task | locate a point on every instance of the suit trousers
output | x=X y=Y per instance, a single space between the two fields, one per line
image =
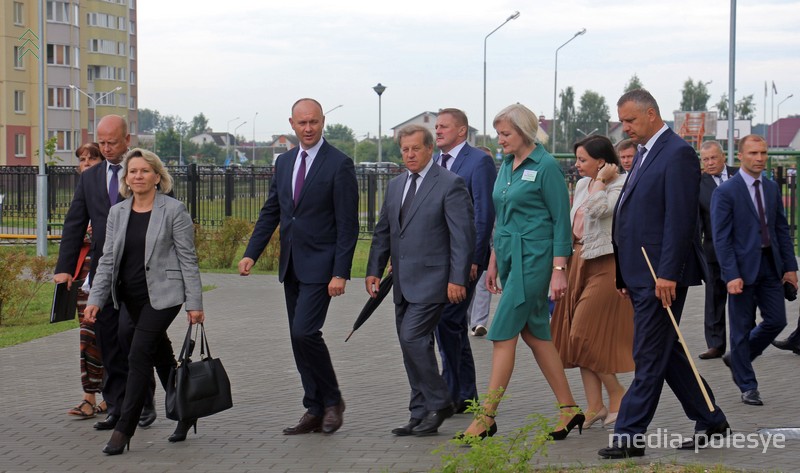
x=716 y=295
x=415 y=326
x=452 y=336
x=749 y=340
x=307 y=306
x=478 y=312
x=114 y=356
x=659 y=357
x=150 y=348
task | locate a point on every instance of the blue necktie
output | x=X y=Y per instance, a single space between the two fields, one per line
x=301 y=177
x=113 y=186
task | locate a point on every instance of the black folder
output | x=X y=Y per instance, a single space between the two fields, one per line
x=65 y=302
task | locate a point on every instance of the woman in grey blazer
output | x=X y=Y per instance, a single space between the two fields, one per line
x=149 y=264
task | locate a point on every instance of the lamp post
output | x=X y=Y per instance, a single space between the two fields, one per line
x=228 y=137
x=94 y=104
x=586 y=134
x=779 y=116
x=513 y=16
x=254 y=139
x=334 y=108
x=555 y=87
x=234 y=138
x=379 y=90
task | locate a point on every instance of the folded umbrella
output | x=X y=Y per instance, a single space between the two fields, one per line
x=372 y=304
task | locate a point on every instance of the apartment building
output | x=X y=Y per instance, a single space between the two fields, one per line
x=90 y=71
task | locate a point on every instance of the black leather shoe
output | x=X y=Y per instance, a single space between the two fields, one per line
x=182 y=429
x=333 y=418
x=711 y=353
x=615 y=453
x=701 y=439
x=308 y=423
x=406 y=430
x=785 y=345
x=117 y=444
x=148 y=416
x=109 y=423
x=432 y=421
x=752 y=398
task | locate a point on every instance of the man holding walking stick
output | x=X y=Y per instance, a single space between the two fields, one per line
x=657 y=210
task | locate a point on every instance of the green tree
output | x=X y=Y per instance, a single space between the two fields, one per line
x=149 y=120
x=722 y=107
x=168 y=144
x=694 y=96
x=366 y=151
x=745 y=108
x=633 y=83
x=199 y=125
x=337 y=131
x=593 y=114
x=566 y=120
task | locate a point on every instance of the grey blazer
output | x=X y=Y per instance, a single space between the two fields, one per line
x=171 y=270
x=435 y=244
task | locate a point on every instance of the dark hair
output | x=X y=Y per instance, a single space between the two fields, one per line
x=598 y=147
x=752 y=137
x=625 y=144
x=640 y=97
x=92 y=148
x=459 y=116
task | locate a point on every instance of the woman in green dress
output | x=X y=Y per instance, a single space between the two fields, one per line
x=531 y=245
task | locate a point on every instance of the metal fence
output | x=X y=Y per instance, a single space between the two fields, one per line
x=210 y=193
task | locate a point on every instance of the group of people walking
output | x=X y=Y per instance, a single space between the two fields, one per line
x=450 y=220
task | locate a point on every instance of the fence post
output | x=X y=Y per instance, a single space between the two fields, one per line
x=229 y=183
x=372 y=193
x=192 y=179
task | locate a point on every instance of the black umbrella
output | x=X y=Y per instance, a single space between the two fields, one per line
x=372 y=304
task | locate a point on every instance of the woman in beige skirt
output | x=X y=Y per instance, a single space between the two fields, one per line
x=592 y=326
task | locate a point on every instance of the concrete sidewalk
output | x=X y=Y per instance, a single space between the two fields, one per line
x=247 y=330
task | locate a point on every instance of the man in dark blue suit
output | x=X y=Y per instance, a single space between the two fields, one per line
x=657 y=210
x=479 y=173
x=313 y=197
x=97 y=191
x=715 y=172
x=754 y=248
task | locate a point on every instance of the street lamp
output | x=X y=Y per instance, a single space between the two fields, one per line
x=334 y=108
x=94 y=104
x=234 y=138
x=379 y=90
x=228 y=137
x=254 y=139
x=514 y=16
x=555 y=87
x=779 y=116
x=586 y=134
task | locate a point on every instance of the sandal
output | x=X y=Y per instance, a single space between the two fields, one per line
x=78 y=411
x=101 y=408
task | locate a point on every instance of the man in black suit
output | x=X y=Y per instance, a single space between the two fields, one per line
x=314 y=199
x=715 y=172
x=97 y=191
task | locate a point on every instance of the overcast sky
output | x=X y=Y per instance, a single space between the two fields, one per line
x=236 y=58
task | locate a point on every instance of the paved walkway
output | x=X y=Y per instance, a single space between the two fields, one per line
x=246 y=324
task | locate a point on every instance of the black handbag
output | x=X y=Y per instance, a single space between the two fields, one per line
x=197 y=388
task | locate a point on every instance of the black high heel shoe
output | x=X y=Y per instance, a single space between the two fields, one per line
x=182 y=429
x=486 y=433
x=117 y=444
x=576 y=421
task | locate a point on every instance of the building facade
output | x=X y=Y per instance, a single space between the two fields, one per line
x=90 y=71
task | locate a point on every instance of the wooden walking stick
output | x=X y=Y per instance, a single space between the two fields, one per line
x=683 y=342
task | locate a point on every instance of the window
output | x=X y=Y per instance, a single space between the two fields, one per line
x=132 y=128
x=59 y=97
x=132 y=4
x=20 y=143
x=58 y=54
x=65 y=139
x=133 y=27
x=108 y=99
x=133 y=78
x=76 y=54
x=121 y=23
x=133 y=52
x=19 y=101
x=75 y=15
x=19 y=17
x=121 y=48
x=132 y=103
x=19 y=61
x=103 y=46
x=58 y=12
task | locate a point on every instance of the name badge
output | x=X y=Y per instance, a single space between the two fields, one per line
x=529 y=175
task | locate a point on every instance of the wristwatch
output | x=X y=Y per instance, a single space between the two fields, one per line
x=559 y=268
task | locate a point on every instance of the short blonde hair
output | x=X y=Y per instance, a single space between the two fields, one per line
x=165 y=186
x=522 y=119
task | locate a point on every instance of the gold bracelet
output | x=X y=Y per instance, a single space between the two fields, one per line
x=600 y=179
x=560 y=268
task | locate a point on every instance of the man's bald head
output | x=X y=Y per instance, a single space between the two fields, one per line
x=113 y=138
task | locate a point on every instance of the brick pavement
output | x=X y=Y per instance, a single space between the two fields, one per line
x=246 y=325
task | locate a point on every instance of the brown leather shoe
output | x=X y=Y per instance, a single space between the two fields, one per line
x=333 y=419
x=711 y=354
x=308 y=423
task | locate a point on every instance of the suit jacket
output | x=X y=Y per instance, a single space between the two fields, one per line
x=737 y=230
x=479 y=173
x=170 y=260
x=707 y=187
x=90 y=203
x=435 y=244
x=657 y=210
x=319 y=234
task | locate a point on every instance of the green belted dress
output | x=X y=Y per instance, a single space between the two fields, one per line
x=532 y=226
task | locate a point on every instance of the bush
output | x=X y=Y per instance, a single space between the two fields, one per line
x=219 y=248
x=270 y=257
x=15 y=294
